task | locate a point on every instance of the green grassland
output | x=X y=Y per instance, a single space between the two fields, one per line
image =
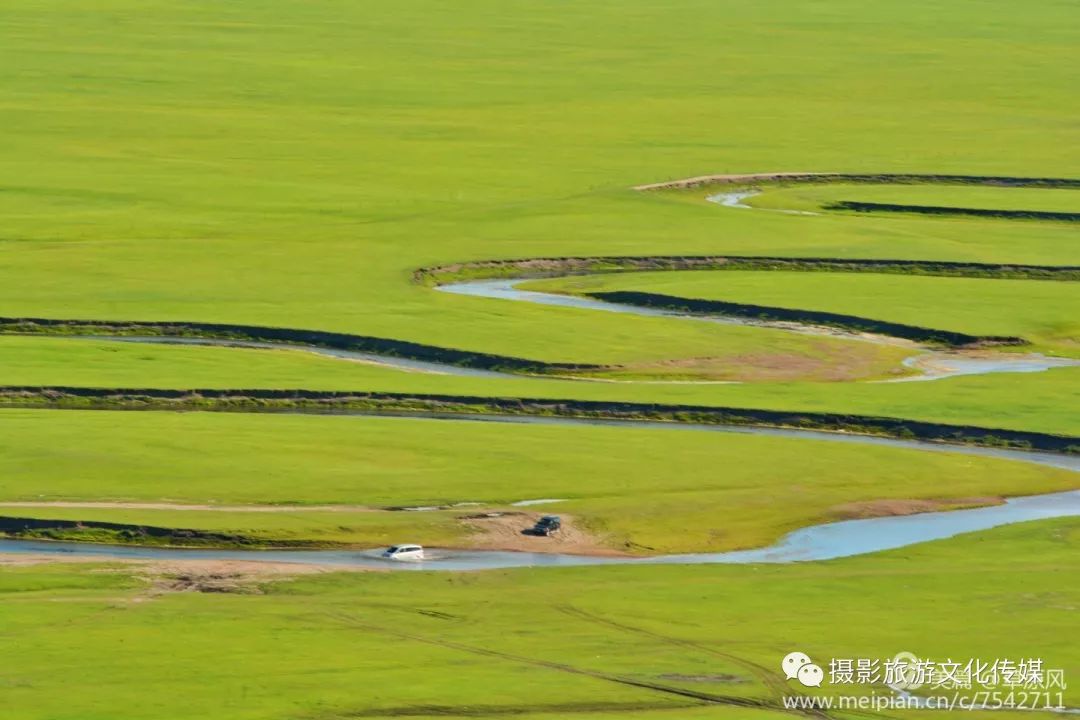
x=1049 y=315
x=648 y=490
x=379 y=644
x=292 y=164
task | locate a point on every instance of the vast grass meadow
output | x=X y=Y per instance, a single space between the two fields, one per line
x=293 y=164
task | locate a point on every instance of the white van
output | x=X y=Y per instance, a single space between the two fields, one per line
x=404 y=552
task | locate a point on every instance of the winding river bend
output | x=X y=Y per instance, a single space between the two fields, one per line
x=820 y=542
x=931 y=364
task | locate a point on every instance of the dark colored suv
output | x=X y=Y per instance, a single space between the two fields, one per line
x=547 y=525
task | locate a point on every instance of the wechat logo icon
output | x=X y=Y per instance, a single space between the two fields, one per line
x=798 y=665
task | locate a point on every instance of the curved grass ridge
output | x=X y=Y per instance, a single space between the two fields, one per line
x=529 y=268
x=464 y=406
x=289 y=336
x=126 y=533
x=560 y=266
x=859 y=206
x=556 y=267
x=791 y=178
x=853 y=323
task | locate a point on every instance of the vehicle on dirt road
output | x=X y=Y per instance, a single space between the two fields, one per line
x=404 y=552
x=547 y=525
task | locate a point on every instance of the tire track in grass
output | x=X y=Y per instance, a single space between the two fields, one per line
x=768 y=679
x=502 y=711
x=777 y=687
x=701 y=698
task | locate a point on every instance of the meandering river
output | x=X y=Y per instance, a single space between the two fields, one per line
x=819 y=542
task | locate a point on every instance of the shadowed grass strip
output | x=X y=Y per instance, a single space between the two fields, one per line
x=852 y=323
x=449 y=406
x=869 y=207
x=301 y=338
